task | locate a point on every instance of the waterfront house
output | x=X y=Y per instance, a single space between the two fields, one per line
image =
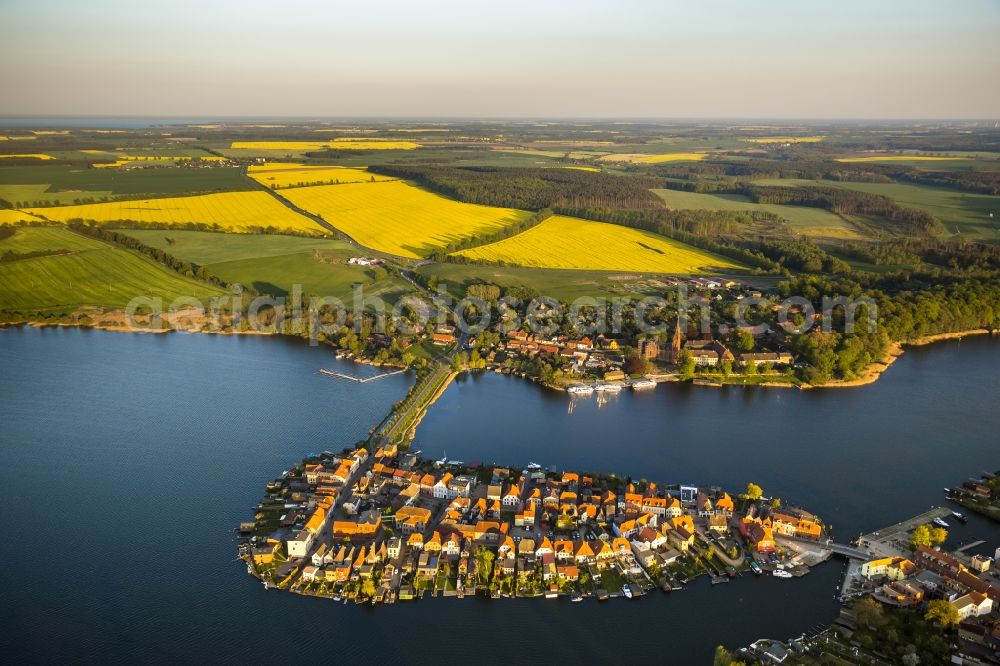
x=319 y=555
x=427 y=566
x=309 y=573
x=298 y=545
x=893 y=568
x=264 y=554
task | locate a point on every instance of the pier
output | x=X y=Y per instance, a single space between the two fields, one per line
x=359 y=380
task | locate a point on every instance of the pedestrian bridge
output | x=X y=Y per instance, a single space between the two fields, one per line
x=849 y=551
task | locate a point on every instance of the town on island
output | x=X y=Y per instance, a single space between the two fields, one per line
x=377 y=527
x=390 y=525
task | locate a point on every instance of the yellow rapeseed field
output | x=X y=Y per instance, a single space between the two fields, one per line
x=8 y=216
x=227 y=211
x=785 y=139
x=568 y=242
x=17 y=138
x=583 y=168
x=900 y=158
x=285 y=174
x=644 y=158
x=344 y=143
x=37 y=156
x=398 y=218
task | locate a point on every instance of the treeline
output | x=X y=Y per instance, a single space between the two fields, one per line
x=484 y=239
x=189 y=226
x=531 y=189
x=845 y=202
x=978 y=182
x=803 y=255
x=911 y=252
x=907 y=309
x=12 y=255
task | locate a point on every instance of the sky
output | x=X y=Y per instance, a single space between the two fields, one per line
x=507 y=58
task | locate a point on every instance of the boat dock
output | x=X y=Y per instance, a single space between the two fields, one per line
x=360 y=380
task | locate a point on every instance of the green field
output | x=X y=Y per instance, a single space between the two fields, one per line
x=91 y=273
x=564 y=285
x=813 y=222
x=273 y=263
x=962 y=213
x=81 y=182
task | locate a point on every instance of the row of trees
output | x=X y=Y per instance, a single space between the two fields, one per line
x=531 y=189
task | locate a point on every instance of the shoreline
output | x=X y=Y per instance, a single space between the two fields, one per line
x=870 y=375
x=448 y=550
x=896 y=350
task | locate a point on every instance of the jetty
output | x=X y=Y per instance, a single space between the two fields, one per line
x=359 y=380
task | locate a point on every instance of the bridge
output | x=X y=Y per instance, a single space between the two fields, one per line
x=849 y=551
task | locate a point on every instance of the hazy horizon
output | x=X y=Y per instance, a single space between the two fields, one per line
x=638 y=60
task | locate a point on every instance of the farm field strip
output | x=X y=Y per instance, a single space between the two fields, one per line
x=280 y=175
x=808 y=221
x=398 y=218
x=35 y=156
x=339 y=143
x=228 y=211
x=653 y=158
x=952 y=207
x=566 y=242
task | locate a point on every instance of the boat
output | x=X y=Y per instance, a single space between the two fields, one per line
x=940 y=523
x=608 y=388
x=602 y=594
x=755 y=567
x=627 y=591
x=640 y=384
x=580 y=389
x=532 y=465
x=576 y=598
x=781 y=573
x=959 y=517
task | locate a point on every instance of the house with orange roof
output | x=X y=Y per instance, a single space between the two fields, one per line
x=544 y=547
x=564 y=550
x=452 y=546
x=584 y=553
x=570 y=477
x=654 y=505
x=621 y=546
x=415 y=541
x=672 y=508
x=568 y=572
x=511 y=498
x=312 y=473
x=808 y=529
x=265 y=553
x=724 y=505
x=433 y=545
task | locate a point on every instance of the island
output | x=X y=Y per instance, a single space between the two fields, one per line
x=386 y=525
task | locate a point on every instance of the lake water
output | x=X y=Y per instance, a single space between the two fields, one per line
x=127 y=460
